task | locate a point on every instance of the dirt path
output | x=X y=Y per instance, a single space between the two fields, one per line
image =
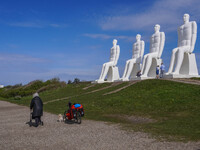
x=100 y=89
x=97 y=90
x=90 y=135
x=117 y=90
x=184 y=80
x=89 y=86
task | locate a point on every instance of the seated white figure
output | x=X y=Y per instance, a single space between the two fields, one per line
x=182 y=61
x=133 y=65
x=152 y=59
x=110 y=68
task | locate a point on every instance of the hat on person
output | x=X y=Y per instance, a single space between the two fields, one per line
x=35 y=94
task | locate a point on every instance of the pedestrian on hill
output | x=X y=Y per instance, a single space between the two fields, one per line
x=138 y=73
x=162 y=70
x=37 y=106
x=157 y=72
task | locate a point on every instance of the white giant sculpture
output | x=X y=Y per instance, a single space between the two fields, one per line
x=133 y=65
x=153 y=58
x=183 y=62
x=110 y=69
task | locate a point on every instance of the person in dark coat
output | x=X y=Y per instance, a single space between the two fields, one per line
x=37 y=106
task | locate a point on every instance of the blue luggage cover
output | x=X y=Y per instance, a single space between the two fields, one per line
x=77 y=105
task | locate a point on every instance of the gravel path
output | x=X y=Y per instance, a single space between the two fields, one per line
x=90 y=135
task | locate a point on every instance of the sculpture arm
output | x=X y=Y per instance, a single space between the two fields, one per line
x=179 y=37
x=117 y=55
x=133 y=51
x=142 y=45
x=162 y=43
x=194 y=36
x=150 y=44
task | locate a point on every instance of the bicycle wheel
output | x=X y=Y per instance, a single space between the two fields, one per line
x=64 y=116
x=78 y=117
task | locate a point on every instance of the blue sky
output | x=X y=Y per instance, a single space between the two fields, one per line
x=42 y=39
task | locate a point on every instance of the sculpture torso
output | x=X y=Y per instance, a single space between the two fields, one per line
x=155 y=42
x=185 y=34
x=136 y=49
x=113 y=52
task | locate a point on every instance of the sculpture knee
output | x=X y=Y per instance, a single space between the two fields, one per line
x=145 y=56
x=149 y=58
x=174 y=51
x=180 y=51
x=128 y=61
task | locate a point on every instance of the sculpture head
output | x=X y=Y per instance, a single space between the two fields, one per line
x=186 y=18
x=114 y=42
x=138 y=37
x=157 y=28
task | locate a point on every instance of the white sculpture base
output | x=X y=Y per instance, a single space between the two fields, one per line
x=113 y=75
x=188 y=68
x=171 y=76
x=152 y=70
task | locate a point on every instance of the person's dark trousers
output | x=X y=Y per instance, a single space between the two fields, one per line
x=37 y=120
x=161 y=73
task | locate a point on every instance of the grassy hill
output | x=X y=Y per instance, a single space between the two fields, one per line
x=160 y=107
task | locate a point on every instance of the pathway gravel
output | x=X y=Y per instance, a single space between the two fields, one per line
x=90 y=135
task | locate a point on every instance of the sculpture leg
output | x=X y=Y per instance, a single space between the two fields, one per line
x=106 y=67
x=130 y=68
x=147 y=65
x=125 y=70
x=143 y=64
x=102 y=72
x=180 y=56
x=171 y=66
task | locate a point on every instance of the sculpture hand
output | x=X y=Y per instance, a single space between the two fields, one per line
x=190 y=50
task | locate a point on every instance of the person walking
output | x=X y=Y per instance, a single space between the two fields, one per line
x=157 y=72
x=37 y=106
x=162 y=70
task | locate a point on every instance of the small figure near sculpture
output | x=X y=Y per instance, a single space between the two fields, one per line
x=139 y=74
x=157 y=72
x=162 y=70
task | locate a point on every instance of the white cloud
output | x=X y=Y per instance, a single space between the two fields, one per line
x=64 y=74
x=167 y=13
x=17 y=58
x=36 y=24
x=18 y=68
x=106 y=36
x=101 y=36
x=26 y=24
x=54 y=25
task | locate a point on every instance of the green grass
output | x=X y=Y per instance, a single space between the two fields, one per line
x=174 y=106
x=195 y=78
